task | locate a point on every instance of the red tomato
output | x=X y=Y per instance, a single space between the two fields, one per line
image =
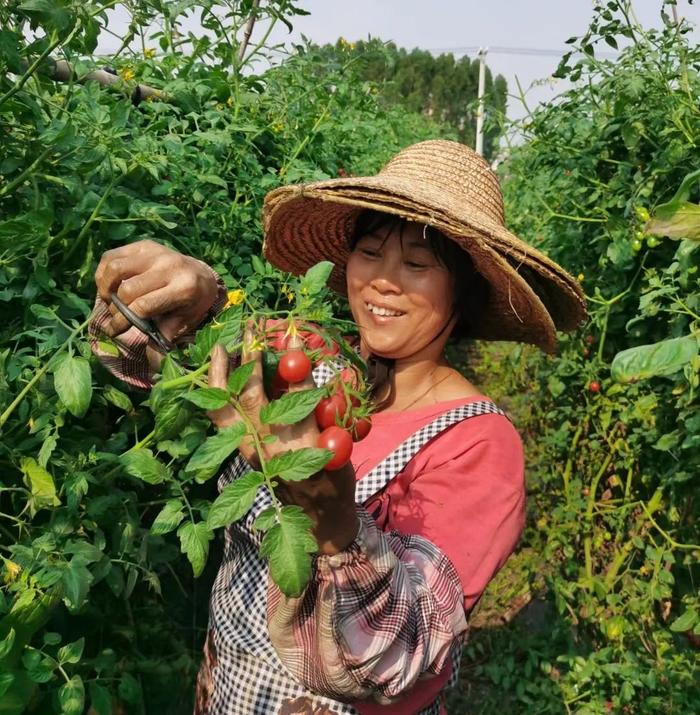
x=338 y=441
x=361 y=428
x=294 y=366
x=594 y=386
x=330 y=410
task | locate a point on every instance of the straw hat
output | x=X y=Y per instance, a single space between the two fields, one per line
x=447 y=186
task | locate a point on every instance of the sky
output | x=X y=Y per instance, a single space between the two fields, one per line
x=451 y=25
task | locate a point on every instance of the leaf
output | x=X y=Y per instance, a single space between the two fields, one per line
x=658 y=359
x=680 y=221
x=209 y=456
x=71 y=696
x=293 y=466
x=6 y=680
x=266 y=519
x=41 y=484
x=172 y=414
x=239 y=377
x=684 y=622
x=72 y=652
x=118 y=398
x=7 y=643
x=235 y=500
x=76 y=581
x=100 y=699
x=129 y=689
x=287 y=546
x=73 y=383
x=168 y=518
x=291 y=407
x=194 y=542
x=317 y=277
x=208 y=398
x=141 y=463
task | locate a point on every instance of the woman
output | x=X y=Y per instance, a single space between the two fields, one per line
x=432 y=503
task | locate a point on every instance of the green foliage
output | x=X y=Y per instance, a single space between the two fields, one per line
x=612 y=471
x=442 y=87
x=102 y=487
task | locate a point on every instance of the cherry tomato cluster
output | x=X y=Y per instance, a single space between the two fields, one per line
x=340 y=425
x=340 y=416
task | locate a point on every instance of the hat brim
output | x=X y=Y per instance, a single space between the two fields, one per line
x=531 y=296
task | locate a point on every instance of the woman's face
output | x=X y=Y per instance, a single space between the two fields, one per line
x=400 y=295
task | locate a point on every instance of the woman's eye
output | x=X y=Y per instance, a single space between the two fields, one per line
x=415 y=264
x=369 y=252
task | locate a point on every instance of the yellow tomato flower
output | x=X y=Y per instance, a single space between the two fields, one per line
x=127 y=74
x=580 y=277
x=234 y=297
x=149 y=53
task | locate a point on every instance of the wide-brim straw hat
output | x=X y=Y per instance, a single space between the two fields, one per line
x=448 y=186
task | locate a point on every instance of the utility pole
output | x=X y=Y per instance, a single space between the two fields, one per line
x=480 y=110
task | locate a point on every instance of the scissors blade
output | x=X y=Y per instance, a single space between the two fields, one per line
x=147 y=327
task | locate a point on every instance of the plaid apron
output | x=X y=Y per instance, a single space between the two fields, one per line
x=241 y=673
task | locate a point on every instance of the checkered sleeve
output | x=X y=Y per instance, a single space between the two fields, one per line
x=377 y=617
x=131 y=364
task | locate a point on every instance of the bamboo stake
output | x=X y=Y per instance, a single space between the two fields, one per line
x=248 y=30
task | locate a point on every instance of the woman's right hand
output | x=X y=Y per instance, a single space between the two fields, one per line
x=156 y=282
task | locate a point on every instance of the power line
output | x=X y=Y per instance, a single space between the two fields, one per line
x=538 y=52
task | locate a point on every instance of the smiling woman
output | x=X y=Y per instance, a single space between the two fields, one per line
x=432 y=502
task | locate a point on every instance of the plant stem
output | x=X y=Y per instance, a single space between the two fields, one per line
x=9 y=188
x=40 y=373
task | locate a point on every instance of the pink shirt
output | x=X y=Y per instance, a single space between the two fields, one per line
x=464 y=492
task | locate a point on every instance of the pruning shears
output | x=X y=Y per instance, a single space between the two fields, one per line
x=144 y=325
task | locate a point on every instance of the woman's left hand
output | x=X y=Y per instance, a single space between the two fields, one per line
x=328 y=498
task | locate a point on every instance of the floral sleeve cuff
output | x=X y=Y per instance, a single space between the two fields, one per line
x=378 y=616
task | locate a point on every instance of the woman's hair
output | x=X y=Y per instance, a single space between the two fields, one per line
x=471 y=288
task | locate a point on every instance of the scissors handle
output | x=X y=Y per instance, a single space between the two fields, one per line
x=148 y=327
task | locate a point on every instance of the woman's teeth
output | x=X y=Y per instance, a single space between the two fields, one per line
x=382 y=311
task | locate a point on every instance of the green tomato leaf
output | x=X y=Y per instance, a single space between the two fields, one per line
x=208 y=398
x=194 y=542
x=76 y=580
x=7 y=643
x=292 y=407
x=678 y=221
x=239 y=377
x=209 y=456
x=684 y=622
x=299 y=464
x=288 y=546
x=41 y=485
x=266 y=519
x=317 y=277
x=235 y=500
x=73 y=383
x=117 y=398
x=172 y=414
x=168 y=518
x=100 y=699
x=144 y=466
x=72 y=652
x=6 y=680
x=658 y=359
x=71 y=696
